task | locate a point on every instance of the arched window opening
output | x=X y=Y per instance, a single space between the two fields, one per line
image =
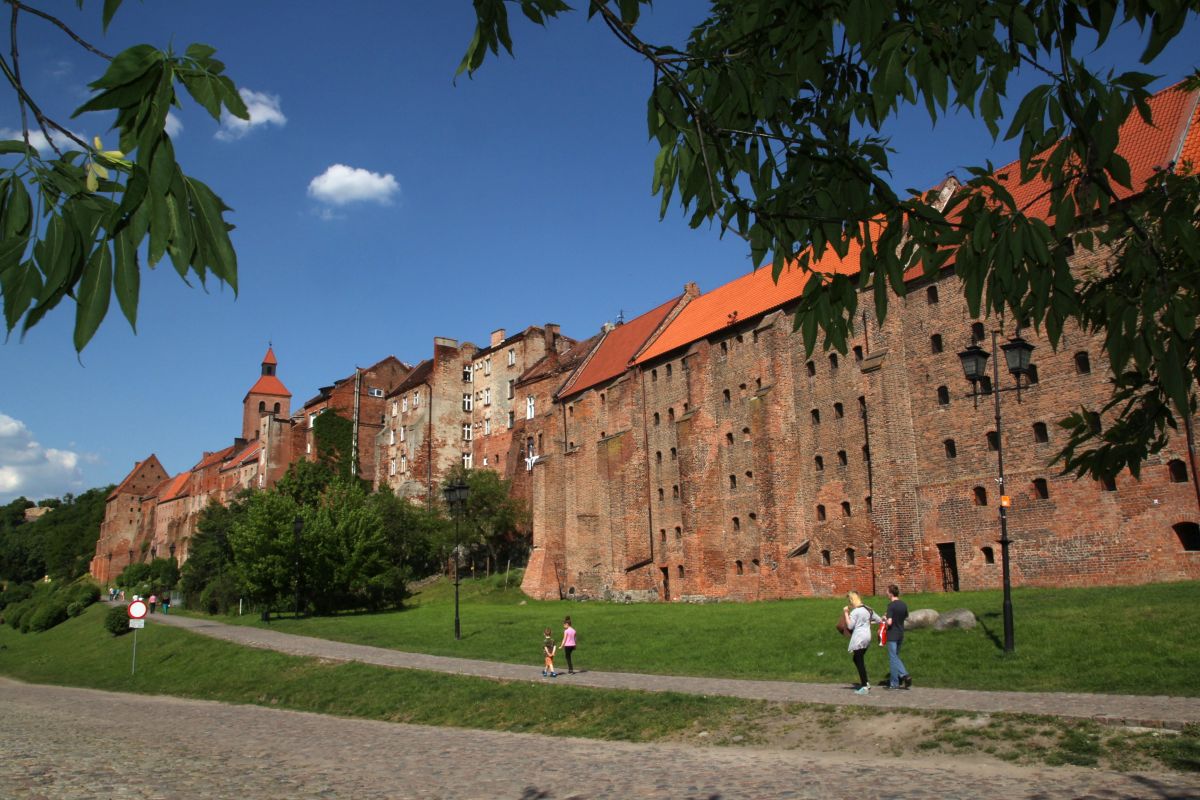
x=951 y=449
x=816 y=416
x=811 y=367
x=1189 y=535
x=935 y=343
x=846 y=508
x=820 y=513
x=819 y=463
x=825 y=560
x=993 y=441
x=1041 y=489
x=989 y=555
x=931 y=295
x=737 y=523
x=839 y=410
x=943 y=396
x=1040 y=432
x=977 y=333
x=1083 y=364
x=980 y=496
x=841 y=456
x=850 y=559
x=1178 y=471
x=737 y=567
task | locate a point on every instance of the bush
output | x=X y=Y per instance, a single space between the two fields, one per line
x=15 y=593
x=76 y=608
x=116 y=621
x=16 y=612
x=46 y=615
x=84 y=592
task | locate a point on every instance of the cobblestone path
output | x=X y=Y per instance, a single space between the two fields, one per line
x=1144 y=711
x=62 y=743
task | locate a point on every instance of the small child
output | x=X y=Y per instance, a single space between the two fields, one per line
x=548 y=649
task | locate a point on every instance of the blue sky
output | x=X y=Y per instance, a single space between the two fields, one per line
x=378 y=204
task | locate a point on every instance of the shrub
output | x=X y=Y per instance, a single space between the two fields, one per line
x=15 y=593
x=46 y=615
x=74 y=609
x=116 y=621
x=84 y=592
x=16 y=612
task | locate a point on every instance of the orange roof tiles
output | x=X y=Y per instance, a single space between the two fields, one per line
x=213 y=458
x=269 y=384
x=176 y=488
x=269 y=358
x=243 y=456
x=1190 y=152
x=741 y=299
x=615 y=353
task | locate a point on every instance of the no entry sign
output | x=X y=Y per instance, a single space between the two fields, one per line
x=137 y=609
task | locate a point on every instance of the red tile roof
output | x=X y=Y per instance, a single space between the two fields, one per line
x=616 y=352
x=213 y=458
x=243 y=456
x=176 y=488
x=741 y=299
x=269 y=384
x=1191 y=144
x=269 y=358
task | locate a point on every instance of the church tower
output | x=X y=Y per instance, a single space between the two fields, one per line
x=268 y=396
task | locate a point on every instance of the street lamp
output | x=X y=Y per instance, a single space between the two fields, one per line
x=974 y=360
x=456 y=498
x=297 y=528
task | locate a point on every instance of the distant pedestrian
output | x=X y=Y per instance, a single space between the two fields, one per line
x=568 y=644
x=153 y=599
x=897 y=613
x=121 y=595
x=166 y=603
x=858 y=619
x=548 y=655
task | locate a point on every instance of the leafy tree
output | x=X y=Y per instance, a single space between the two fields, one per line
x=305 y=481
x=209 y=579
x=417 y=536
x=73 y=222
x=264 y=549
x=493 y=519
x=772 y=102
x=20 y=556
x=70 y=532
x=345 y=555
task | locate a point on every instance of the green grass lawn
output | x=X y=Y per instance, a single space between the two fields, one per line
x=1125 y=640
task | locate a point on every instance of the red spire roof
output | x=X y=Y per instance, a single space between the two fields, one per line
x=269 y=358
x=269 y=384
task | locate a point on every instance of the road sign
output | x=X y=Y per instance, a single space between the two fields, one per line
x=137 y=623
x=137 y=609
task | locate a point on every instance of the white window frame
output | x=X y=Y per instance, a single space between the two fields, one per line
x=416 y=398
x=512 y=356
x=466 y=460
x=403 y=464
x=395 y=408
x=487 y=396
x=392 y=467
x=530 y=406
x=487 y=427
x=487 y=366
x=468 y=401
x=391 y=436
x=402 y=434
x=466 y=431
x=468 y=371
x=404 y=402
x=373 y=391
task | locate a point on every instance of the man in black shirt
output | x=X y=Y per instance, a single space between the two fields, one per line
x=897 y=612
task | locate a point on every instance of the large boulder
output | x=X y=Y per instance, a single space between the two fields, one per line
x=955 y=618
x=921 y=618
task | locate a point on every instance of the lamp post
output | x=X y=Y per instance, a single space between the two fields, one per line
x=974 y=359
x=456 y=498
x=297 y=529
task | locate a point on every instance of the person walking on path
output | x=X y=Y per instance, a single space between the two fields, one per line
x=568 y=644
x=897 y=613
x=548 y=655
x=153 y=599
x=858 y=619
x=166 y=604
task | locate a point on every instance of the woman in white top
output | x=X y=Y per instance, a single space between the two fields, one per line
x=858 y=619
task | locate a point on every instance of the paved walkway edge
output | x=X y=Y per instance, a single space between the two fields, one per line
x=1156 y=711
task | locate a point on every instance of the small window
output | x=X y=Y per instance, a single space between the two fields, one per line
x=985 y=385
x=1108 y=484
x=725 y=396
x=980 y=496
x=833 y=362
x=487 y=396
x=1083 y=364
x=512 y=357
x=660 y=495
x=825 y=558
x=658 y=456
x=466 y=405
x=943 y=396
x=1040 y=489
x=820 y=513
x=819 y=463
x=737 y=567
x=931 y=295
x=1189 y=535
x=662 y=537
x=657 y=419
x=749 y=477
x=841 y=457
x=811 y=367
x=1031 y=376
x=935 y=343
x=467 y=373
x=816 y=416
x=754 y=565
x=602 y=398
x=993 y=441
x=466 y=432
x=977 y=333
x=724 y=347
x=839 y=410
x=858 y=353
x=729 y=438
x=989 y=555
x=1178 y=471
x=402 y=434
x=850 y=556
x=951 y=449
x=262 y=406
x=530 y=407
x=679 y=571
x=674 y=453
x=512 y=418
x=737 y=524
x=1093 y=422
x=466 y=460
x=670 y=415
x=374 y=392
x=654 y=376
x=733 y=481
x=870 y=504
x=668 y=370
x=1040 y=433
x=678 y=533
x=675 y=492
x=746 y=433
x=416 y=398
x=277 y=404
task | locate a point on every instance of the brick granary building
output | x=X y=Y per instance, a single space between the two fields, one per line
x=696 y=452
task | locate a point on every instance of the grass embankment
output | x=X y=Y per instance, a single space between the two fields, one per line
x=1120 y=640
x=80 y=652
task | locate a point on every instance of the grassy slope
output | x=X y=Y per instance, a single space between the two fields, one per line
x=1116 y=640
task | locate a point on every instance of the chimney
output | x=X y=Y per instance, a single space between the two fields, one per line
x=690 y=289
x=497 y=336
x=551 y=331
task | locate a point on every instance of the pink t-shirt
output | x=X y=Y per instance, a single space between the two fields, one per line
x=569 y=637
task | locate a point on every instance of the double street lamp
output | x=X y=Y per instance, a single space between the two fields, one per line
x=456 y=499
x=974 y=360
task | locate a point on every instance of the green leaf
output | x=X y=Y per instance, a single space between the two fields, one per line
x=93 y=294
x=8 y=146
x=127 y=275
x=20 y=284
x=212 y=232
x=110 y=9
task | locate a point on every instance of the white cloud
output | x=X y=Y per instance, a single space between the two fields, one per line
x=39 y=141
x=341 y=184
x=264 y=110
x=174 y=125
x=27 y=468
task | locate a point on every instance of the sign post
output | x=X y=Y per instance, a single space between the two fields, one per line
x=137 y=619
